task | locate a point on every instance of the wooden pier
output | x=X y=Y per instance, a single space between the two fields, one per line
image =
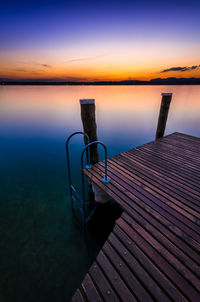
x=153 y=252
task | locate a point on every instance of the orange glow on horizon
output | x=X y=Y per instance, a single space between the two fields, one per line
x=139 y=63
x=90 y=75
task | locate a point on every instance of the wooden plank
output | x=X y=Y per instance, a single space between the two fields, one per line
x=184 y=142
x=128 y=276
x=150 y=222
x=153 y=270
x=166 y=249
x=172 y=215
x=78 y=297
x=170 y=159
x=162 y=169
x=173 y=169
x=138 y=270
x=155 y=185
x=132 y=164
x=187 y=148
x=114 y=278
x=194 y=146
x=170 y=163
x=123 y=200
x=90 y=290
x=181 y=207
x=177 y=279
x=191 y=156
x=174 y=155
x=181 y=136
x=187 y=137
x=156 y=180
x=102 y=284
x=167 y=242
x=153 y=252
x=151 y=167
x=183 y=169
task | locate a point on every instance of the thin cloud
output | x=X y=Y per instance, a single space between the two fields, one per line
x=36 y=72
x=45 y=65
x=182 y=69
x=42 y=64
x=85 y=59
x=38 y=64
x=21 y=70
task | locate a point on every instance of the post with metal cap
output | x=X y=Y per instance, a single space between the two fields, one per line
x=164 y=109
x=90 y=126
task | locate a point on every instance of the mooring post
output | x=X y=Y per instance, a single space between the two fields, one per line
x=89 y=126
x=164 y=109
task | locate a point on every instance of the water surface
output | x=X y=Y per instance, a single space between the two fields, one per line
x=43 y=251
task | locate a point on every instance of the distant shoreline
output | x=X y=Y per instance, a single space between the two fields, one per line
x=168 y=81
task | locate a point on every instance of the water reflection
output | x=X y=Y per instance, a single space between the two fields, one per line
x=43 y=252
x=54 y=110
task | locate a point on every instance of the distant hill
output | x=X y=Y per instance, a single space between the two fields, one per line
x=158 y=81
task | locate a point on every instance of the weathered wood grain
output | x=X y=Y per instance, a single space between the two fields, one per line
x=153 y=251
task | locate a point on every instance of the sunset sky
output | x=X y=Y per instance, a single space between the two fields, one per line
x=99 y=40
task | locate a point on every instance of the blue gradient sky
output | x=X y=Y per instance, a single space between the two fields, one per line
x=99 y=40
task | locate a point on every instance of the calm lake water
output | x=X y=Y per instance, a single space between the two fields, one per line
x=44 y=253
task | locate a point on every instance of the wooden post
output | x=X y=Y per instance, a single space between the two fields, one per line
x=89 y=126
x=164 y=109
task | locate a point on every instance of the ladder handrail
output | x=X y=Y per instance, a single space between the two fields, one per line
x=88 y=166
x=106 y=179
x=68 y=159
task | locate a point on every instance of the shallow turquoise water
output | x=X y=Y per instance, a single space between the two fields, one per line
x=44 y=253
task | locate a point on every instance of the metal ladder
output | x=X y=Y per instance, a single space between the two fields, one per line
x=78 y=201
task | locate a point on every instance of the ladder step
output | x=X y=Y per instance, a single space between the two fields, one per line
x=78 y=206
x=77 y=195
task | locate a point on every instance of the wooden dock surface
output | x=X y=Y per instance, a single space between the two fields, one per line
x=153 y=252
